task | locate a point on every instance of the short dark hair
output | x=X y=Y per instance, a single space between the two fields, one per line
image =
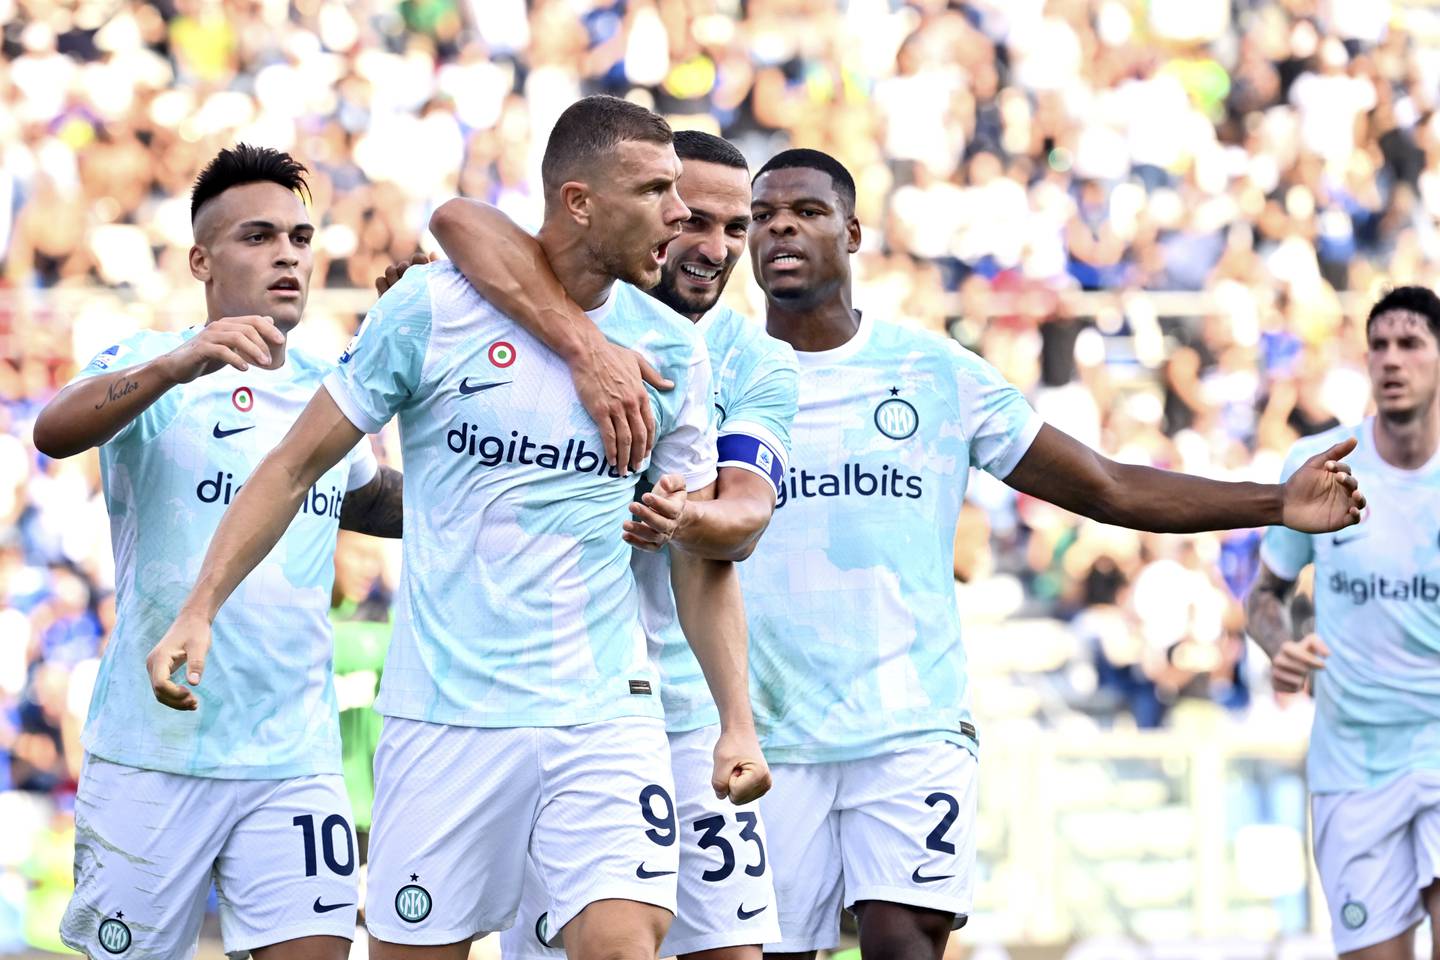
x=1421 y=300
x=840 y=178
x=243 y=164
x=590 y=128
x=708 y=148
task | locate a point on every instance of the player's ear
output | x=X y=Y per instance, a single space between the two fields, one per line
x=852 y=234
x=577 y=201
x=200 y=263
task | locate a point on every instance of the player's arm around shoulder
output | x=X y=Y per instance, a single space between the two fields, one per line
x=508 y=267
x=252 y=526
x=101 y=402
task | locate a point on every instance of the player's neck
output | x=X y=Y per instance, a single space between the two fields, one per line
x=574 y=266
x=813 y=329
x=1408 y=443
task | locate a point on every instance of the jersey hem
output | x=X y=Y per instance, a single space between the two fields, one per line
x=815 y=753
x=691 y=722
x=516 y=721
x=289 y=771
x=1369 y=786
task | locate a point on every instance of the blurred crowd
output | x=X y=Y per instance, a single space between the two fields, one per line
x=1038 y=178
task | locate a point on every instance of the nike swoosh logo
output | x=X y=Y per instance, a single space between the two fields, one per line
x=222 y=434
x=644 y=874
x=1335 y=541
x=744 y=914
x=467 y=388
x=327 y=907
x=918 y=878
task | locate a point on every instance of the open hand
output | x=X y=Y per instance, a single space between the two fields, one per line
x=1323 y=496
x=230 y=341
x=657 y=514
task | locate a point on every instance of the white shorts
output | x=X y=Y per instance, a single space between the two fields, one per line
x=458 y=808
x=725 y=895
x=1376 y=850
x=898 y=828
x=147 y=844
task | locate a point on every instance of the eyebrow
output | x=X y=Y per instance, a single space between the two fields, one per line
x=793 y=203
x=267 y=225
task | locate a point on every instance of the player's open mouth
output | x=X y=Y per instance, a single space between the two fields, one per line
x=658 y=252
x=286 y=286
x=699 y=274
x=784 y=257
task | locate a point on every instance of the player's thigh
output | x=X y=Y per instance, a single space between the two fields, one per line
x=1365 y=855
x=895 y=931
x=907 y=830
x=1425 y=837
x=531 y=937
x=145 y=845
x=804 y=855
x=606 y=827
x=748 y=952
x=616 y=930
x=289 y=869
x=726 y=897
x=454 y=809
x=306 y=948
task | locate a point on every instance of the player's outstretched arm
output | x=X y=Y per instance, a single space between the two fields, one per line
x=88 y=413
x=725 y=528
x=251 y=527
x=378 y=508
x=509 y=269
x=712 y=615
x=1320 y=497
x=1294 y=649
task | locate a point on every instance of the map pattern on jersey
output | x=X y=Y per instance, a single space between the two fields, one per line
x=755 y=379
x=1377 y=607
x=854 y=633
x=516 y=604
x=267 y=701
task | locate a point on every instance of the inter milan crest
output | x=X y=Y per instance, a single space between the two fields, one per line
x=1353 y=915
x=412 y=902
x=896 y=418
x=114 y=935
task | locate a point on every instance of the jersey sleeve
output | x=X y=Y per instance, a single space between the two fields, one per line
x=754 y=432
x=362 y=465
x=1286 y=552
x=134 y=350
x=381 y=368
x=998 y=422
x=688 y=447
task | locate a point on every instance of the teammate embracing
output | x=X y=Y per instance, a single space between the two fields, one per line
x=520 y=709
x=726 y=900
x=858 y=675
x=1371 y=644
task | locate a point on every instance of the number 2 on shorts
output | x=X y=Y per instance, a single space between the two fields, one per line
x=936 y=840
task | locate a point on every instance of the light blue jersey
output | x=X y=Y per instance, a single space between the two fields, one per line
x=516 y=605
x=1377 y=607
x=854 y=634
x=755 y=380
x=267 y=703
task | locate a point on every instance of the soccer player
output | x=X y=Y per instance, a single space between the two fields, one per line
x=520 y=706
x=248 y=789
x=1373 y=635
x=725 y=892
x=859 y=679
